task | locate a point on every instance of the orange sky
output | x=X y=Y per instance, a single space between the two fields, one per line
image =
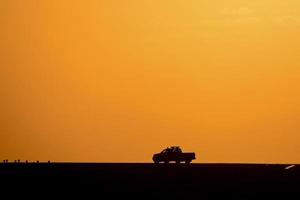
x=115 y=81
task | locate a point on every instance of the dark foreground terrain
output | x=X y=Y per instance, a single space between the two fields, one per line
x=204 y=181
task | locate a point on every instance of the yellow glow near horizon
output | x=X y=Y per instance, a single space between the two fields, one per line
x=115 y=81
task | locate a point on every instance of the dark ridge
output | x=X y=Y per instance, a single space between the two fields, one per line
x=241 y=181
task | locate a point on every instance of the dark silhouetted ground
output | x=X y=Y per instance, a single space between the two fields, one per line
x=206 y=181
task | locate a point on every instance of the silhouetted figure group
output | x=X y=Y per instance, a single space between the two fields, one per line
x=19 y=161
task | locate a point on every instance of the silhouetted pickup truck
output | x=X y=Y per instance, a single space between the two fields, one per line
x=173 y=154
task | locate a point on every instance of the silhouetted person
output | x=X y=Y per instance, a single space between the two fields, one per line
x=168 y=149
x=19 y=161
x=26 y=161
x=37 y=161
x=48 y=161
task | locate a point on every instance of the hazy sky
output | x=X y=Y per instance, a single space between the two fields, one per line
x=115 y=81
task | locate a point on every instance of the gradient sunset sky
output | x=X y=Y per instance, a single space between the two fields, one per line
x=116 y=81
